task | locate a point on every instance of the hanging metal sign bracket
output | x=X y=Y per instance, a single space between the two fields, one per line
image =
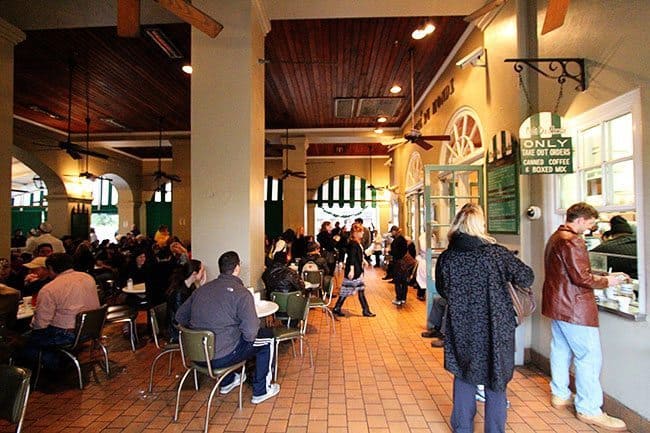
x=557 y=69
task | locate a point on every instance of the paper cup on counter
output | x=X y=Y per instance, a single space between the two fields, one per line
x=623 y=303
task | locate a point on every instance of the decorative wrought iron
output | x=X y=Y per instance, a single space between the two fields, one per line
x=558 y=69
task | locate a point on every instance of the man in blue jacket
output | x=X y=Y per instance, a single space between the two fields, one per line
x=225 y=307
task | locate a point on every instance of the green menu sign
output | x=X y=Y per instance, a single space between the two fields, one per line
x=502 y=184
x=544 y=150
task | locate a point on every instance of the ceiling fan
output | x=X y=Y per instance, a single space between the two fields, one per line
x=555 y=13
x=86 y=174
x=371 y=186
x=276 y=149
x=159 y=174
x=75 y=151
x=287 y=172
x=414 y=135
x=128 y=17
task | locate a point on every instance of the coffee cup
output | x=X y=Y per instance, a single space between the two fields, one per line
x=623 y=302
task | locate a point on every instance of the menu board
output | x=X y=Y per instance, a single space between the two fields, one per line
x=502 y=184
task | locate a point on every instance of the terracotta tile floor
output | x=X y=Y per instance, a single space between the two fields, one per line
x=375 y=375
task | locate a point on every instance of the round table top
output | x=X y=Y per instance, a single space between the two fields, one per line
x=265 y=308
x=138 y=289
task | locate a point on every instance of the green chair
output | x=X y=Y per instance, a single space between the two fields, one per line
x=282 y=298
x=298 y=310
x=197 y=347
x=158 y=316
x=89 y=328
x=323 y=302
x=14 y=392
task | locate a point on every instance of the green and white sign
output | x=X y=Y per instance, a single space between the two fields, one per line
x=544 y=146
x=502 y=184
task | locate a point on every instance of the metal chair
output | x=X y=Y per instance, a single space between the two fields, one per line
x=323 y=302
x=312 y=276
x=197 y=347
x=14 y=392
x=282 y=298
x=297 y=309
x=124 y=313
x=89 y=327
x=158 y=316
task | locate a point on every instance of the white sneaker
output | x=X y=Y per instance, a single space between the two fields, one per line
x=272 y=391
x=234 y=384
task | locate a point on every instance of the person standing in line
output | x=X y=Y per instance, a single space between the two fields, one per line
x=403 y=263
x=471 y=274
x=353 y=277
x=568 y=300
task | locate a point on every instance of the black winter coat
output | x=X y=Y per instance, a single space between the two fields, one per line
x=480 y=333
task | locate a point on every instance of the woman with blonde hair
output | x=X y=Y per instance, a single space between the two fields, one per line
x=471 y=274
x=353 y=277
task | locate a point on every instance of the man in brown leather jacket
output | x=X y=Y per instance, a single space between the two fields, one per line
x=568 y=299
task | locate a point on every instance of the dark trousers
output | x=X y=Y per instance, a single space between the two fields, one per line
x=261 y=350
x=42 y=338
x=462 y=415
x=401 y=286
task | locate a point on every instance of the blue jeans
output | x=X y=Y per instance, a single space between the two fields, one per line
x=43 y=338
x=436 y=319
x=464 y=410
x=262 y=350
x=582 y=345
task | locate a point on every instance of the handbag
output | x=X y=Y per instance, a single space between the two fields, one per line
x=523 y=301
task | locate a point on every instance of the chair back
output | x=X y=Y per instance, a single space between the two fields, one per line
x=282 y=298
x=197 y=345
x=157 y=317
x=298 y=309
x=89 y=325
x=13 y=393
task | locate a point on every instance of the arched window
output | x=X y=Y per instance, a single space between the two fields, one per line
x=466 y=144
x=414 y=172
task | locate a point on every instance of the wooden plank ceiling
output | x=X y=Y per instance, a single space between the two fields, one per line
x=309 y=63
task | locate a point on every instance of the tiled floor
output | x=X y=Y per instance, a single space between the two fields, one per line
x=374 y=375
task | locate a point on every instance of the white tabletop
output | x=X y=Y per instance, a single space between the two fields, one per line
x=138 y=289
x=24 y=312
x=265 y=308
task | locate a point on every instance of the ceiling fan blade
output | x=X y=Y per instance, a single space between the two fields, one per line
x=555 y=14
x=423 y=144
x=281 y=146
x=192 y=15
x=393 y=142
x=483 y=10
x=73 y=154
x=173 y=177
x=436 y=137
x=128 y=18
x=93 y=153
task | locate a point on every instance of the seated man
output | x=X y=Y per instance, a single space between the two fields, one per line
x=59 y=302
x=279 y=277
x=225 y=307
x=37 y=278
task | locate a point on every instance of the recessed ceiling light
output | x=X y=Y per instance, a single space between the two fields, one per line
x=418 y=34
x=382 y=119
x=379 y=131
x=395 y=89
x=187 y=69
x=429 y=28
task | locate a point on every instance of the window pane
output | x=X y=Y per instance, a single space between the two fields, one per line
x=622 y=181
x=590 y=145
x=593 y=187
x=619 y=137
x=113 y=195
x=568 y=190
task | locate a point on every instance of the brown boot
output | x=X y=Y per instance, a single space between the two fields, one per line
x=438 y=342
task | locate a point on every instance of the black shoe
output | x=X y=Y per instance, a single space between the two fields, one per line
x=368 y=314
x=338 y=312
x=433 y=333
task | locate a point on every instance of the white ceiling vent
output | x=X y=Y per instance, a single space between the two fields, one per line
x=373 y=107
x=343 y=108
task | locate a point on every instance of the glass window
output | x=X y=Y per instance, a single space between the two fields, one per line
x=619 y=134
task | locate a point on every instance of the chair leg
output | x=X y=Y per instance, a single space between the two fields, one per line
x=38 y=368
x=133 y=336
x=332 y=318
x=275 y=373
x=241 y=386
x=207 y=411
x=178 y=393
x=153 y=366
x=22 y=412
x=105 y=351
x=196 y=380
x=76 y=363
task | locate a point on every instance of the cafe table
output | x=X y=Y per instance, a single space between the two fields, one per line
x=265 y=308
x=137 y=289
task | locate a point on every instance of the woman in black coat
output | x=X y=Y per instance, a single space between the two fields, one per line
x=480 y=335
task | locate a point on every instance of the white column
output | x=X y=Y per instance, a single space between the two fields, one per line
x=9 y=37
x=228 y=137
